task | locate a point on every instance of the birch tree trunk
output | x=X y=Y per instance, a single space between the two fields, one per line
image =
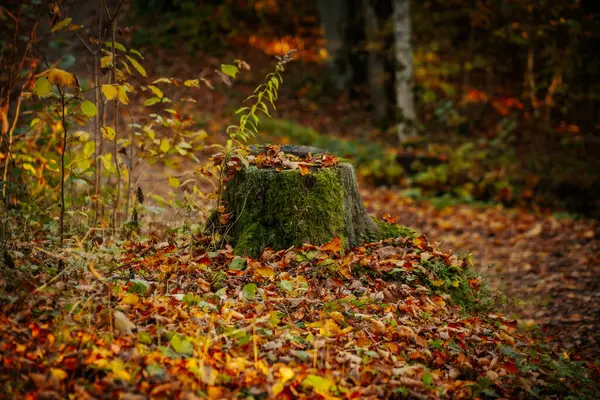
x=404 y=68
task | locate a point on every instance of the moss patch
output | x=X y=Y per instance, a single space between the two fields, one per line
x=279 y=209
x=388 y=231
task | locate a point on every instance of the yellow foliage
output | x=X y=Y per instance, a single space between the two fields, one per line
x=62 y=78
x=110 y=92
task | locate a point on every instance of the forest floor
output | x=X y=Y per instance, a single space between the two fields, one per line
x=544 y=269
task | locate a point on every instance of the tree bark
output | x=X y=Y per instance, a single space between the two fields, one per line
x=404 y=68
x=279 y=209
x=375 y=62
x=335 y=17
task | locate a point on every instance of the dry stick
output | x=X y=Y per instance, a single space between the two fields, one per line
x=97 y=143
x=102 y=145
x=10 y=142
x=556 y=82
x=116 y=125
x=254 y=344
x=530 y=78
x=98 y=139
x=131 y=146
x=62 y=168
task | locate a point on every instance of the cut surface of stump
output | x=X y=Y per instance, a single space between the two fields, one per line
x=280 y=209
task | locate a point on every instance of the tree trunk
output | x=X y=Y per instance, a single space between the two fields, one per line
x=375 y=62
x=404 y=68
x=279 y=209
x=334 y=15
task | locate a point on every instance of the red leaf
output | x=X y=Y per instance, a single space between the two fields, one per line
x=510 y=367
x=389 y=219
x=329 y=160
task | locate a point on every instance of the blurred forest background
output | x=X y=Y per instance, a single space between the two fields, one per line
x=502 y=96
x=506 y=93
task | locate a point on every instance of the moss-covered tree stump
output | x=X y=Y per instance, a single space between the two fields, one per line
x=282 y=208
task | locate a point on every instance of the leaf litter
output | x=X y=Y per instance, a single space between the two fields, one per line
x=395 y=318
x=544 y=266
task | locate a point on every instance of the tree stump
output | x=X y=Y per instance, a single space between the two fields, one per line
x=275 y=208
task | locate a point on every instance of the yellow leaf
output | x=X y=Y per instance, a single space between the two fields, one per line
x=108 y=163
x=286 y=374
x=108 y=133
x=277 y=388
x=192 y=83
x=265 y=272
x=106 y=61
x=30 y=168
x=88 y=149
x=164 y=80
x=262 y=367
x=214 y=392
x=126 y=67
x=89 y=108
x=110 y=92
x=330 y=328
x=320 y=384
x=437 y=283
x=164 y=145
x=137 y=53
x=118 y=46
x=237 y=364
x=123 y=95
x=94 y=272
x=174 y=181
x=58 y=373
x=131 y=299
x=42 y=87
x=138 y=67
x=122 y=374
x=61 y=25
x=156 y=91
x=61 y=77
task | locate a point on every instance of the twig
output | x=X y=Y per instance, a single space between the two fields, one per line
x=62 y=167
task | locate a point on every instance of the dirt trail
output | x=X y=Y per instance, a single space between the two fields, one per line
x=548 y=268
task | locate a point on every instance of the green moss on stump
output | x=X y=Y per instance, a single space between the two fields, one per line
x=279 y=209
x=388 y=231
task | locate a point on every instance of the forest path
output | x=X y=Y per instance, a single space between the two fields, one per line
x=547 y=268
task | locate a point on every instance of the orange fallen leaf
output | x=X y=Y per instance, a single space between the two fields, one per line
x=304 y=169
x=420 y=242
x=335 y=245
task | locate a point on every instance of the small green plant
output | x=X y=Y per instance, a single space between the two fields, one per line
x=265 y=92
